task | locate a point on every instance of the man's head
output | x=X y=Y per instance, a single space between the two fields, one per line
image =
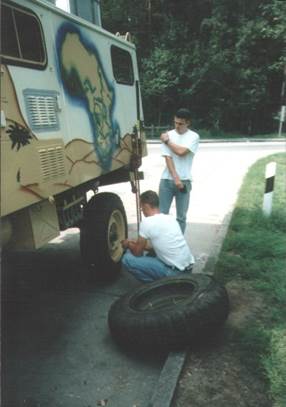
x=149 y=201
x=182 y=120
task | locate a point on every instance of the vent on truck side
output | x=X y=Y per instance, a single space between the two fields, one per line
x=42 y=109
x=52 y=163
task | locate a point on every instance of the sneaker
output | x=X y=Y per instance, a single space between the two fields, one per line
x=189 y=268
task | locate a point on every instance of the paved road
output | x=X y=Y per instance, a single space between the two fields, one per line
x=57 y=348
x=218 y=171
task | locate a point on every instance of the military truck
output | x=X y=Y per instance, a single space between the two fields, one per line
x=71 y=118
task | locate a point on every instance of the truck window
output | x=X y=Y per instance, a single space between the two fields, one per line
x=22 y=38
x=122 y=66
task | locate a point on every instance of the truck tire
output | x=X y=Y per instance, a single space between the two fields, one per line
x=171 y=313
x=104 y=226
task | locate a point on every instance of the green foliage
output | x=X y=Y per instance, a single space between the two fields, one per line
x=254 y=253
x=252 y=341
x=224 y=60
x=276 y=367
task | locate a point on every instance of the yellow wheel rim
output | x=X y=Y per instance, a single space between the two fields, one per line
x=116 y=233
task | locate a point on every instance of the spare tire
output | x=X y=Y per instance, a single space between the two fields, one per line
x=170 y=313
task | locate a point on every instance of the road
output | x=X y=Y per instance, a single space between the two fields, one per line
x=57 y=351
x=218 y=170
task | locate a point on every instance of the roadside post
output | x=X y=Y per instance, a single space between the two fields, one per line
x=283 y=104
x=282 y=119
x=270 y=172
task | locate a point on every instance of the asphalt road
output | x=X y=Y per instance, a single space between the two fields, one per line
x=57 y=351
x=218 y=170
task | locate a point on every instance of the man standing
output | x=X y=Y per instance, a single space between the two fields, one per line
x=163 y=232
x=179 y=147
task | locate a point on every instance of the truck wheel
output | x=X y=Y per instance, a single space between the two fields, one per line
x=104 y=226
x=171 y=313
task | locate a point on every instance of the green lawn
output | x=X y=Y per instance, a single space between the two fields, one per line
x=153 y=132
x=220 y=134
x=254 y=255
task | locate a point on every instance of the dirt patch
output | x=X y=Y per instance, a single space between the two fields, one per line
x=216 y=375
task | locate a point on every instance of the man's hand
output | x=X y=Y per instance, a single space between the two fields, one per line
x=173 y=172
x=136 y=247
x=124 y=243
x=128 y=244
x=164 y=138
x=179 y=184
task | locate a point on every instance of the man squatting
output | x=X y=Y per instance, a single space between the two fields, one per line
x=162 y=233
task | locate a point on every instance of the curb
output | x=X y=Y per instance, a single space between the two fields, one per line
x=213 y=256
x=168 y=379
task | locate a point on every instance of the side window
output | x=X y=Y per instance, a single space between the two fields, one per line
x=122 y=65
x=22 y=38
x=9 y=45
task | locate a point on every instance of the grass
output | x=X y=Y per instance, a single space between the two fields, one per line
x=220 y=134
x=215 y=134
x=254 y=255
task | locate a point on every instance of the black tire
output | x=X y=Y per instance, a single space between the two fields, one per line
x=104 y=226
x=171 y=313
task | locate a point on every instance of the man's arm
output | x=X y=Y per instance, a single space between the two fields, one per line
x=171 y=167
x=179 y=150
x=136 y=247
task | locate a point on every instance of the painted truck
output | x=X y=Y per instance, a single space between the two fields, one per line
x=70 y=123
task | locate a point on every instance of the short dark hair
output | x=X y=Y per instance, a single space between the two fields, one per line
x=183 y=113
x=151 y=198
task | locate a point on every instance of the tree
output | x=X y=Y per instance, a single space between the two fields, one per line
x=224 y=60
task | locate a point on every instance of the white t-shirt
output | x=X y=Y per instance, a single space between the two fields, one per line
x=167 y=240
x=183 y=164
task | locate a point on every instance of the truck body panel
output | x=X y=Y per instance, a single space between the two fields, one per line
x=68 y=108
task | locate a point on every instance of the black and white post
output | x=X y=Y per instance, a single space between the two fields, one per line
x=270 y=172
x=283 y=104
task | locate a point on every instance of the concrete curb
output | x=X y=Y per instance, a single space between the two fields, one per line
x=213 y=256
x=168 y=379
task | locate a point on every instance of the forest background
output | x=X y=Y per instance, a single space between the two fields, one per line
x=223 y=59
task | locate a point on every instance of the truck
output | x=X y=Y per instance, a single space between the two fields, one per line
x=71 y=122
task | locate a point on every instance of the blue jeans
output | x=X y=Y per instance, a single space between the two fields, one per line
x=167 y=191
x=145 y=268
